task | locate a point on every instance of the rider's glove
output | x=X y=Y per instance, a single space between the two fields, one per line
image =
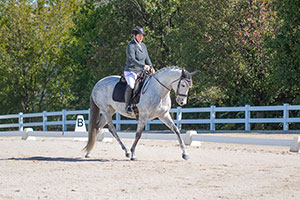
x=147 y=67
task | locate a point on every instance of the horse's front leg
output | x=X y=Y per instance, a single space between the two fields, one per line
x=140 y=128
x=167 y=120
x=113 y=131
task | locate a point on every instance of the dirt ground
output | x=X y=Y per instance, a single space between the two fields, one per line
x=55 y=168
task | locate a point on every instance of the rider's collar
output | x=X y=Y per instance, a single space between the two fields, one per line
x=139 y=43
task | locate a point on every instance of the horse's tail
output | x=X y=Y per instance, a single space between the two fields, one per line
x=94 y=117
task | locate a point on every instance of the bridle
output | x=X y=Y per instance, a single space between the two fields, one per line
x=189 y=83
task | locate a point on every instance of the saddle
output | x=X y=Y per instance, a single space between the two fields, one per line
x=119 y=90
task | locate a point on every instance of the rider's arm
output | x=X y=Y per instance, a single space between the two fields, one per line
x=147 y=61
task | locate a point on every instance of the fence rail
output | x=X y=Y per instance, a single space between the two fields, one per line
x=63 y=121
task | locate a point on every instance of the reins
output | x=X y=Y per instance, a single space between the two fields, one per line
x=178 y=86
x=162 y=83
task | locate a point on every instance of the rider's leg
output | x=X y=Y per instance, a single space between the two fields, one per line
x=130 y=79
x=128 y=94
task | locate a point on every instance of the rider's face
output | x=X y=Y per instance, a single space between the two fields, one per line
x=139 y=38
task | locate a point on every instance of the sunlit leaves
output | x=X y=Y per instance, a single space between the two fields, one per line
x=33 y=35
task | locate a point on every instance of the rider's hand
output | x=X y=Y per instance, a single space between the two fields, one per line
x=152 y=70
x=147 y=67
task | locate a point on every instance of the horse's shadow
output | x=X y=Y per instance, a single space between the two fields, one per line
x=61 y=159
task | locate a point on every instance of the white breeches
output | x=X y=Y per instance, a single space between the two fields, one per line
x=130 y=78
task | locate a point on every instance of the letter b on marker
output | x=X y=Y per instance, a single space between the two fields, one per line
x=80 y=124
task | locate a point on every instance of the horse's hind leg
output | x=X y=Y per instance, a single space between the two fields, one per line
x=113 y=131
x=166 y=118
x=138 y=135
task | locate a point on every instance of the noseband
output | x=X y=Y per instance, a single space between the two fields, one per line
x=188 y=81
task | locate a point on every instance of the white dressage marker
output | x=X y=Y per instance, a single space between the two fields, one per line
x=25 y=134
x=80 y=124
x=188 y=140
x=101 y=138
x=295 y=145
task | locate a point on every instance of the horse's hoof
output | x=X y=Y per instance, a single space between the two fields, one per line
x=185 y=156
x=87 y=155
x=133 y=159
x=127 y=154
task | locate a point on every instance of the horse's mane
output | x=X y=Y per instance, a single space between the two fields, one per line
x=168 y=68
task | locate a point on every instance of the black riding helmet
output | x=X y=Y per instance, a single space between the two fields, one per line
x=137 y=30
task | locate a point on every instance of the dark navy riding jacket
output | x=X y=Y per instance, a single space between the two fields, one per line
x=136 y=58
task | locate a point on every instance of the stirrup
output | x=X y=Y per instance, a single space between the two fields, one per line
x=128 y=109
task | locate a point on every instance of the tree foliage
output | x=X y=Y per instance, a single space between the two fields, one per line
x=284 y=49
x=32 y=37
x=52 y=52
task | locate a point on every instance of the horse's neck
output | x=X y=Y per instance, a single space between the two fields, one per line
x=167 y=77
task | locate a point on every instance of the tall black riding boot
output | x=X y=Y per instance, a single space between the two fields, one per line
x=128 y=94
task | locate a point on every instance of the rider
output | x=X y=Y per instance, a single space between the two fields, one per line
x=137 y=60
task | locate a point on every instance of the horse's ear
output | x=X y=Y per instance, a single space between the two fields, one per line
x=184 y=75
x=194 y=72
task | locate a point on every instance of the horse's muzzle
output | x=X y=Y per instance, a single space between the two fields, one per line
x=181 y=100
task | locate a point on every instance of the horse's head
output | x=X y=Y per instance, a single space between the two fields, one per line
x=182 y=87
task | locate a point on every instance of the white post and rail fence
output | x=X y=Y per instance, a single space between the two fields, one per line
x=285 y=116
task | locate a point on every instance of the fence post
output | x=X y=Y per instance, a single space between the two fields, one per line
x=118 y=118
x=247 y=118
x=179 y=117
x=21 y=125
x=44 y=120
x=285 y=117
x=212 y=118
x=64 y=119
x=147 y=127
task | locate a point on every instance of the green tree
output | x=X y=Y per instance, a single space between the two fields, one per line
x=33 y=35
x=225 y=40
x=284 y=48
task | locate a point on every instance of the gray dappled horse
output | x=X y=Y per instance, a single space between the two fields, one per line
x=155 y=102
